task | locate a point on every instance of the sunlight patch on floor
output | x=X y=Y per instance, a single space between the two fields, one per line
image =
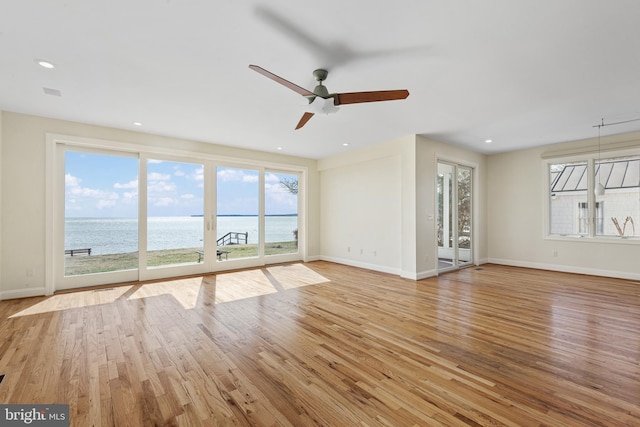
x=228 y=287
x=75 y=300
x=242 y=284
x=185 y=291
x=296 y=275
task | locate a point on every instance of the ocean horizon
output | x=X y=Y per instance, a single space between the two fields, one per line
x=120 y=235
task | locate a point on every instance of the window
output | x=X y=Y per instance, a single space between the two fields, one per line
x=575 y=209
x=568 y=194
x=120 y=212
x=583 y=218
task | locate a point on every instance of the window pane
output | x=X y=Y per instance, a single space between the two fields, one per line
x=238 y=207
x=568 y=199
x=281 y=213
x=101 y=213
x=620 y=203
x=464 y=214
x=175 y=208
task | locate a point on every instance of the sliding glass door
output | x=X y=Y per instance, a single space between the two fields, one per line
x=99 y=216
x=238 y=216
x=281 y=213
x=135 y=216
x=455 y=216
x=175 y=213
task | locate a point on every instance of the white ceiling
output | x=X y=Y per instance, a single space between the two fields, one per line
x=520 y=72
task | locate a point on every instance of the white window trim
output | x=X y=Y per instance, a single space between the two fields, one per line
x=590 y=157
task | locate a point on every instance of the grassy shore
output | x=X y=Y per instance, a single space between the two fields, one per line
x=84 y=264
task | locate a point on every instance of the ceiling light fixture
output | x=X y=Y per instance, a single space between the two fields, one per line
x=488 y=141
x=137 y=124
x=346 y=144
x=45 y=64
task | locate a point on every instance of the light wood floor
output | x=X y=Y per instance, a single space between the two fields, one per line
x=325 y=344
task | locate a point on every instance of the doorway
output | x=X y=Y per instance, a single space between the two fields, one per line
x=455 y=216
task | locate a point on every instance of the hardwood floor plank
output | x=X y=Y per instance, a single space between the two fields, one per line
x=326 y=344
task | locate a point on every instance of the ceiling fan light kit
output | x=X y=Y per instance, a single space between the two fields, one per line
x=321 y=101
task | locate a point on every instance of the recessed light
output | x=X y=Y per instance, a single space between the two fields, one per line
x=278 y=148
x=488 y=141
x=45 y=64
x=137 y=124
x=346 y=144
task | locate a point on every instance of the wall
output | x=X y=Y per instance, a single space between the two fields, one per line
x=378 y=206
x=361 y=207
x=22 y=210
x=516 y=221
x=1 y=151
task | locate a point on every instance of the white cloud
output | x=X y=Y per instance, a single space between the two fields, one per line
x=156 y=176
x=198 y=174
x=71 y=181
x=187 y=196
x=133 y=184
x=227 y=175
x=76 y=194
x=271 y=177
x=102 y=204
x=164 y=201
x=161 y=187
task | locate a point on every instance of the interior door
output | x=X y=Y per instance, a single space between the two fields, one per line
x=455 y=216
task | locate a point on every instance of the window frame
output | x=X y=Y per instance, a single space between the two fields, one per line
x=56 y=144
x=590 y=158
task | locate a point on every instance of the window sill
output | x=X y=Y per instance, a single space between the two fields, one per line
x=616 y=240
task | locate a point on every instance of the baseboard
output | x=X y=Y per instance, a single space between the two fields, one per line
x=367 y=266
x=567 y=269
x=419 y=275
x=22 y=293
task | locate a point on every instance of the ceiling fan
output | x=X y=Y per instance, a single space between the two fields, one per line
x=321 y=101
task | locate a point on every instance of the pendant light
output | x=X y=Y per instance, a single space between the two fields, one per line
x=599 y=190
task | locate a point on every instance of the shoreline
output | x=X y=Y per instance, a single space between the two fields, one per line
x=91 y=264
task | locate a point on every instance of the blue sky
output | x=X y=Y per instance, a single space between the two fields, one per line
x=99 y=185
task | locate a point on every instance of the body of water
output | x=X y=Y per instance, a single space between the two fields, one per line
x=120 y=235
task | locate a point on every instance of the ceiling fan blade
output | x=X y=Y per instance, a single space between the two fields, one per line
x=379 y=95
x=303 y=121
x=302 y=91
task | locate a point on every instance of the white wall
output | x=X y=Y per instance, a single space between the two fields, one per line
x=516 y=217
x=22 y=172
x=376 y=204
x=361 y=207
x=1 y=200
